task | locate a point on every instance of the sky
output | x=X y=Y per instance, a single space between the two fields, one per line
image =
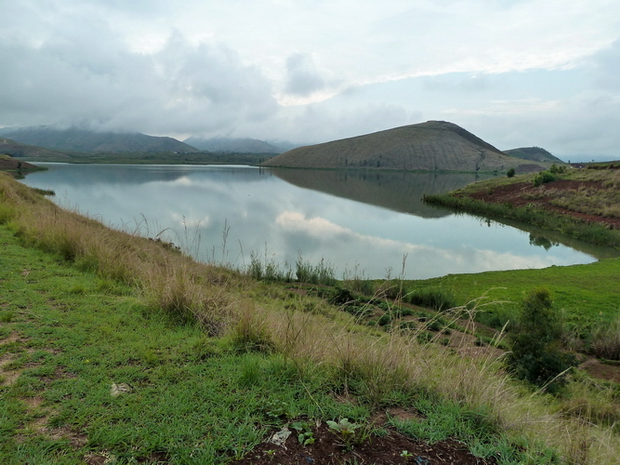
x=516 y=73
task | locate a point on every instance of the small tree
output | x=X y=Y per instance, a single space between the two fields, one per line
x=511 y=172
x=535 y=342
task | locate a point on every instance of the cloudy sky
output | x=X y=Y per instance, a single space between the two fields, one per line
x=514 y=72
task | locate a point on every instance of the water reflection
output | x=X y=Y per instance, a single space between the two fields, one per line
x=357 y=221
x=542 y=241
x=398 y=191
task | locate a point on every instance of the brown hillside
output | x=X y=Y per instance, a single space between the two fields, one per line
x=430 y=146
x=8 y=163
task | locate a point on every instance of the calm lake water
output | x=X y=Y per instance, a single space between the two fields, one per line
x=361 y=223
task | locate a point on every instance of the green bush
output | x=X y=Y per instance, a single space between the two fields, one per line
x=535 y=343
x=342 y=296
x=511 y=172
x=557 y=169
x=544 y=177
x=358 y=311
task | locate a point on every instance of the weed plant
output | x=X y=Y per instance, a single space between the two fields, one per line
x=606 y=340
x=264 y=269
x=436 y=298
x=536 y=355
x=323 y=273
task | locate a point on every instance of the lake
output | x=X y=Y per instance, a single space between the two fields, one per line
x=367 y=224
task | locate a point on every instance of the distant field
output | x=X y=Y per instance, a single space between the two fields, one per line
x=164 y=158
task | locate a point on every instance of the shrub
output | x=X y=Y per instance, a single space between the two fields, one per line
x=606 y=341
x=342 y=296
x=557 y=169
x=323 y=273
x=510 y=173
x=534 y=339
x=385 y=320
x=358 y=311
x=544 y=177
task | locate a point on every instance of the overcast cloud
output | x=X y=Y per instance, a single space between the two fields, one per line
x=516 y=73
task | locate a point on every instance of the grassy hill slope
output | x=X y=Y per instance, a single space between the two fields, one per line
x=534 y=154
x=580 y=203
x=430 y=146
x=16 y=167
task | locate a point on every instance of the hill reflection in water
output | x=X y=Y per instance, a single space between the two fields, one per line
x=365 y=221
x=397 y=191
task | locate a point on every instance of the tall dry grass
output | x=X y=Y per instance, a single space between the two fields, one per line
x=169 y=280
x=380 y=363
x=373 y=363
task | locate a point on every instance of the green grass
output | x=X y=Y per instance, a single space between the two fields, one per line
x=586 y=295
x=191 y=399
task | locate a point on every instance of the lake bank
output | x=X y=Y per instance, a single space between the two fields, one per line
x=581 y=203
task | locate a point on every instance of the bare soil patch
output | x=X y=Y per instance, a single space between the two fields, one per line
x=601 y=370
x=12 y=164
x=392 y=448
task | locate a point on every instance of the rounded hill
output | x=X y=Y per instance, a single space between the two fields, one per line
x=430 y=146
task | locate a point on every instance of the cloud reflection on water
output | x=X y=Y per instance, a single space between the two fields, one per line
x=220 y=213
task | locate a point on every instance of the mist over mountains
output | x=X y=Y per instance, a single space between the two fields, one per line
x=244 y=145
x=83 y=140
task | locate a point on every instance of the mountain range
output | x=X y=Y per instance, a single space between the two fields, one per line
x=83 y=140
x=430 y=146
x=223 y=144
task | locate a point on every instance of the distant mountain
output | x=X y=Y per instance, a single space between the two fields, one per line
x=222 y=144
x=430 y=146
x=18 y=150
x=82 y=140
x=534 y=154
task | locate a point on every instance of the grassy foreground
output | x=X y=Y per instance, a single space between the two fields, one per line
x=122 y=349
